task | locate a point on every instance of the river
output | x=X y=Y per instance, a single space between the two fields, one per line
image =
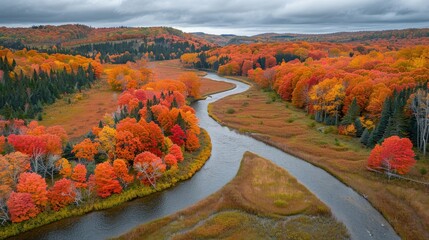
x=349 y=207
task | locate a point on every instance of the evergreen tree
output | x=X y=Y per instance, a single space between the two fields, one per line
x=352 y=113
x=365 y=137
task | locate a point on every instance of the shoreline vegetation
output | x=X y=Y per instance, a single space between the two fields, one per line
x=262 y=200
x=401 y=202
x=193 y=162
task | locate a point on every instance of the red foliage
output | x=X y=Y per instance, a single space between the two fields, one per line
x=178 y=136
x=170 y=160
x=21 y=207
x=395 y=154
x=61 y=194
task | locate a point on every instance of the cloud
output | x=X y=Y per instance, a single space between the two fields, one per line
x=239 y=16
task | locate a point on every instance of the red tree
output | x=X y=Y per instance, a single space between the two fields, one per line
x=170 y=160
x=177 y=152
x=394 y=154
x=61 y=194
x=21 y=207
x=178 y=136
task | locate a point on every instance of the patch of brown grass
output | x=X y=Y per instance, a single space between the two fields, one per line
x=262 y=201
x=80 y=116
x=400 y=201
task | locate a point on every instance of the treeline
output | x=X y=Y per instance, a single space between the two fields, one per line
x=23 y=96
x=160 y=48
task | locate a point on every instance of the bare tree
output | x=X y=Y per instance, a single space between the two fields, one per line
x=420 y=107
x=149 y=171
x=4 y=214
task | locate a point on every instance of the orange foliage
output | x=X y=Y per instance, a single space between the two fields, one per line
x=121 y=170
x=192 y=83
x=105 y=180
x=35 y=185
x=192 y=141
x=170 y=160
x=86 y=149
x=79 y=176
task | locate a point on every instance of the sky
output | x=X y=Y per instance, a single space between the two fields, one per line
x=240 y=17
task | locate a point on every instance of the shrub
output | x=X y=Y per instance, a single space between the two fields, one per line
x=230 y=111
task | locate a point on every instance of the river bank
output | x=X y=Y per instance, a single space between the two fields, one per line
x=279 y=124
x=263 y=200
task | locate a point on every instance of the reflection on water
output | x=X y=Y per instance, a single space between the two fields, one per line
x=361 y=219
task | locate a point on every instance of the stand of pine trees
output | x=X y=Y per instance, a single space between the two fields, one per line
x=394 y=120
x=159 y=49
x=23 y=96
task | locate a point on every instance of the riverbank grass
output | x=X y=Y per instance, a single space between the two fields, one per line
x=263 y=201
x=187 y=168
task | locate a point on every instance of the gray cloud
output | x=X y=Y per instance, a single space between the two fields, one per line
x=232 y=16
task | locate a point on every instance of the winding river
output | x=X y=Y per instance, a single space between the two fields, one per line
x=360 y=218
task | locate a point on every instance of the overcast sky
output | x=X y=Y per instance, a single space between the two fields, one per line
x=242 y=17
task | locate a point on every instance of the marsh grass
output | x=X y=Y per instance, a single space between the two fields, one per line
x=262 y=201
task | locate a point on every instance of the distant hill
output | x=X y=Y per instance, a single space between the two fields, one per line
x=112 y=45
x=77 y=34
x=227 y=39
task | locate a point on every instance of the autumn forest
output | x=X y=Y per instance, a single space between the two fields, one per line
x=354 y=104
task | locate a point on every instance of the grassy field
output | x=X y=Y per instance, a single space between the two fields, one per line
x=278 y=123
x=86 y=109
x=263 y=201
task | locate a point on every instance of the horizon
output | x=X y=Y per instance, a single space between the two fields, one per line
x=244 y=18
x=219 y=33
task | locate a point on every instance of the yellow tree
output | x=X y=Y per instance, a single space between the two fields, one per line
x=327 y=97
x=192 y=82
x=107 y=139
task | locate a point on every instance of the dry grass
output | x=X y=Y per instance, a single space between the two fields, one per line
x=404 y=204
x=262 y=201
x=81 y=115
